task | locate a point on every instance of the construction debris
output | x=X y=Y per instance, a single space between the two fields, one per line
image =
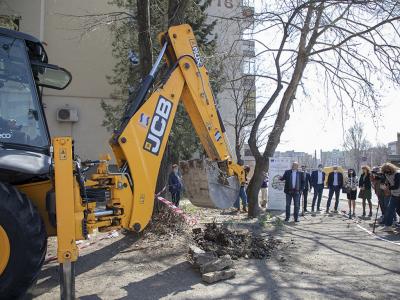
x=218 y=245
x=217 y=264
x=218 y=276
x=221 y=240
x=211 y=267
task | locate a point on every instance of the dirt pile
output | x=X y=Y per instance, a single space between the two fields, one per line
x=222 y=240
x=166 y=221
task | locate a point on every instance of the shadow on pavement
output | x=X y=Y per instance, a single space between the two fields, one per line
x=166 y=283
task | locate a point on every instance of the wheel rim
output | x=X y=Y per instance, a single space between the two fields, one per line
x=4 y=249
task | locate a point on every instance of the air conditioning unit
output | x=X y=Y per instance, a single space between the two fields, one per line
x=67 y=114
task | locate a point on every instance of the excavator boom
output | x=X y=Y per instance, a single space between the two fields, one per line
x=141 y=140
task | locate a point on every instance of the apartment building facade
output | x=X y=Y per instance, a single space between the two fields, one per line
x=236 y=49
x=89 y=59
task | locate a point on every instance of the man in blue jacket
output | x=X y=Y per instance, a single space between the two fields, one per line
x=294 y=186
x=317 y=182
x=174 y=185
x=335 y=184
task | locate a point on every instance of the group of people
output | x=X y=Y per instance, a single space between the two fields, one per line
x=384 y=180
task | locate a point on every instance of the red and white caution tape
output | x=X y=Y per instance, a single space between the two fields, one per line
x=189 y=220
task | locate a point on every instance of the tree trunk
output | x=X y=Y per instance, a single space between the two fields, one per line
x=283 y=114
x=176 y=11
x=253 y=189
x=144 y=38
x=176 y=15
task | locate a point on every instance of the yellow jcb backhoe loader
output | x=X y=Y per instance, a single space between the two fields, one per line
x=44 y=190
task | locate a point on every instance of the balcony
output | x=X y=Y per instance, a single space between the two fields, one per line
x=249 y=48
x=250 y=108
x=249 y=82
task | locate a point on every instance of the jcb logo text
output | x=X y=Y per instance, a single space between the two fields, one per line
x=158 y=125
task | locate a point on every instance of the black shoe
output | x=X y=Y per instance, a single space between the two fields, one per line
x=363 y=214
x=305 y=210
x=286 y=220
x=297 y=221
x=327 y=211
x=349 y=215
x=370 y=214
x=312 y=210
x=318 y=209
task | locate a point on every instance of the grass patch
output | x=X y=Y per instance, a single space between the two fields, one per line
x=264 y=219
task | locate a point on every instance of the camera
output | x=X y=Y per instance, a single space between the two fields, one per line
x=379 y=176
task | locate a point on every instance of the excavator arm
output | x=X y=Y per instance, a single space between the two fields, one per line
x=125 y=199
x=140 y=142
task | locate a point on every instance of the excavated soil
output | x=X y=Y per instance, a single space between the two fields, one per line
x=222 y=240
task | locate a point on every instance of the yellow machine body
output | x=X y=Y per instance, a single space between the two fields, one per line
x=141 y=146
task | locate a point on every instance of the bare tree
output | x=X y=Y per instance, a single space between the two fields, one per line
x=357 y=145
x=378 y=155
x=240 y=95
x=343 y=43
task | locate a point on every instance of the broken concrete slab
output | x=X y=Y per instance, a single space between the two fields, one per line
x=218 y=275
x=195 y=250
x=219 y=264
x=203 y=258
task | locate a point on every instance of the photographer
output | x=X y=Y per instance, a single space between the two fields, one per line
x=392 y=174
x=377 y=179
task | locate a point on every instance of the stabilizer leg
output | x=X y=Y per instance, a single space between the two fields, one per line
x=67 y=280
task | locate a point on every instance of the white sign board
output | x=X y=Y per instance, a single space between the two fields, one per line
x=276 y=196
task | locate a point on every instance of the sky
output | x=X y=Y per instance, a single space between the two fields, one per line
x=312 y=126
x=316 y=120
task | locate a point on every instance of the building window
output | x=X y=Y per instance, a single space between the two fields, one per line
x=249 y=66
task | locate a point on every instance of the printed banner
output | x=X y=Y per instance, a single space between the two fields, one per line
x=276 y=196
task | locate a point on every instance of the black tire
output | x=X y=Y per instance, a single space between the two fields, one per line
x=28 y=242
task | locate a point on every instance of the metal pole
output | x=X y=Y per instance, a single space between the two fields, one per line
x=153 y=70
x=376 y=216
x=67 y=280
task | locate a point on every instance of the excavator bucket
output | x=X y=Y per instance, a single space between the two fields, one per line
x=206 y=185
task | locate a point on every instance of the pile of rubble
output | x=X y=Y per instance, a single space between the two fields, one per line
x=211 y=267
x=222 y=240
x=218 y=245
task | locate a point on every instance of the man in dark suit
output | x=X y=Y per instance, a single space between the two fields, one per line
x=317 y=182
x=307 y=186
x=335 y=184
x=294 y=185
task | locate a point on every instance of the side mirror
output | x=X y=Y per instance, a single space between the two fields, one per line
x=50 y=76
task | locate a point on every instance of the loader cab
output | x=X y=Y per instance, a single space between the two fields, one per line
x=24 y=135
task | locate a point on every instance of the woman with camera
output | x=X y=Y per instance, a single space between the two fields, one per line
x=377 y=180
x=351 y=190
x=365 y=189
x=392 y=174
